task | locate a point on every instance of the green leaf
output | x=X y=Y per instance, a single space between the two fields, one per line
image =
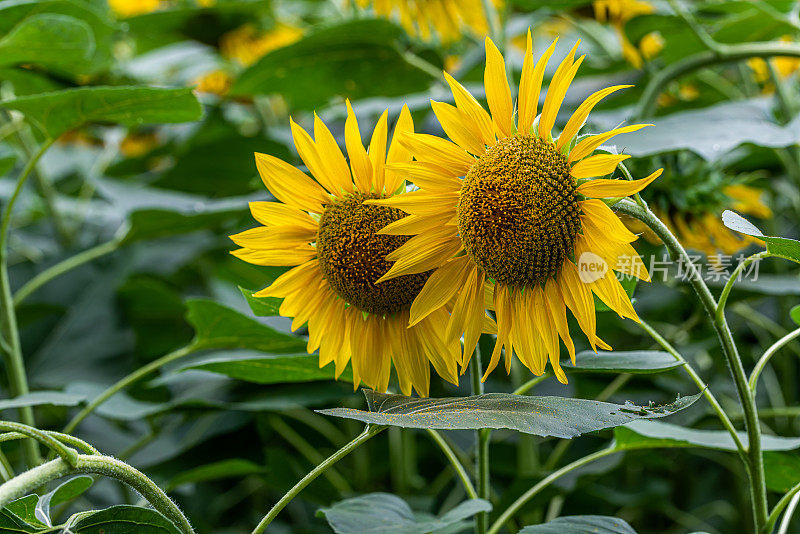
x=124 y=519
x=262 y=306
x=581 y=524
x=656 y=434
x=231 y=468
x=271 y=369
x=782 y=470
x=388 y=514
x=218 y=327
x=561 y=417
x=48 y=39
x=55 y=113
x=795 y=314
x=22 y=512
x=39 y=398
x=354 y=59
x=63 y=493
x=779 y=246
x=637 y=361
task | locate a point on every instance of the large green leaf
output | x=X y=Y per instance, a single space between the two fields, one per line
x=780 y=246
x=21 y=514
x=124 y=519
x=657 y=434
x=581 y=524
x=218 y=327
x=561 y=417
x=262 y=306
x=26 y=18
x=782 y=470
x=55 y=113
x=354 y=59
x=637 y=361
x=271 y=369
x=65 y=491
x=48 y=39
x=39 y=398
x=388 y=514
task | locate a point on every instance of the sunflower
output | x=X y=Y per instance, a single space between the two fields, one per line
x=326 y=232
x=448 y=19
x=510 y=204
x=619 y=12
x=247 y=44
x=131 y=8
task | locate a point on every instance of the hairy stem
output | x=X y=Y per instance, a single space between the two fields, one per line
x=9 y=332
x=757 y=478
x=366 y=435
x=107 y=466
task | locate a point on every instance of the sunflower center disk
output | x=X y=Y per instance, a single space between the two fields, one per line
x=518 y=214
x=352 y=256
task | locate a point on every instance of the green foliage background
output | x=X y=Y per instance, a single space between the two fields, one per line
x=149 y=174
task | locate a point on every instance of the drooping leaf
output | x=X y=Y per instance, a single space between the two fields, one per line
x=64 y=492
x=657 y=434
x=388 y=514
x=581 y=524
x=39 y=398
x=218 y=327
x=780 y=246
x=271 y=369
x=354 y=59
x=262 y=306
x=637 y=361
x=124 y=519
x=48 y=39
x=21 y=512
x=561 y=417
x=55 y=113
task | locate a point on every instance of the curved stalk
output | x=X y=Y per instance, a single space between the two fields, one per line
x=542 y=484
x=724 y=53
x=125 y=382
x=768 y=354
x=368 y=433
x=527 y=386
x=107 y=466
x=457 y=466
x=726 y=290
x=65 y=453
x=778 y=508
x=757 y=478
x=9 y=332
x=483 y=437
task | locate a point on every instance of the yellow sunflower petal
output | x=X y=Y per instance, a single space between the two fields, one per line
x=443 y=356
x=377 y=151
x=456 y=126
x=504 y=306
x=530 y=85
x=307 y=150
x=558 y=313
x=440 y=288
x=439 y=151
x=423 y=252
x=597 y=214
x=578 y=118
x=279 y=214
x=420 y=202
x=555 y=93
x=598 y=165
x=359 y=161
x=271 y=237
x=333 y=163
x=579 y=300
x=289 y=184
x=398 y=154
x=498 y=94
x=604 y=188
x=414 y=224
x=428 y=175
x=587 y=145
x=276 y=257
x=298 y=277
x=467 y=103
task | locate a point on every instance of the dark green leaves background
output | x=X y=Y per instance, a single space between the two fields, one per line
x=164 y=171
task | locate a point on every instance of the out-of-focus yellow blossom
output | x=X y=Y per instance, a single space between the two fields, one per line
x=206 y=3
x=130 y=8
x=247 y=44
x=785 y=66
x=704 y=231
x=447 y=19
x=688 y=92
x=685 y=92
x=137 y=144
x=617 y=13
x=651 y=44
x=217 y=82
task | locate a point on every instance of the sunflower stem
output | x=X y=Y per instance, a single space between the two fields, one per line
x=758 y=490
x=9 y=332
x=725 y=53
x=482 y=437
x=458 y=467
x=369 y=432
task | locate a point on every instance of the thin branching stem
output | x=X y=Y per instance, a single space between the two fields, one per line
x=458 y=467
